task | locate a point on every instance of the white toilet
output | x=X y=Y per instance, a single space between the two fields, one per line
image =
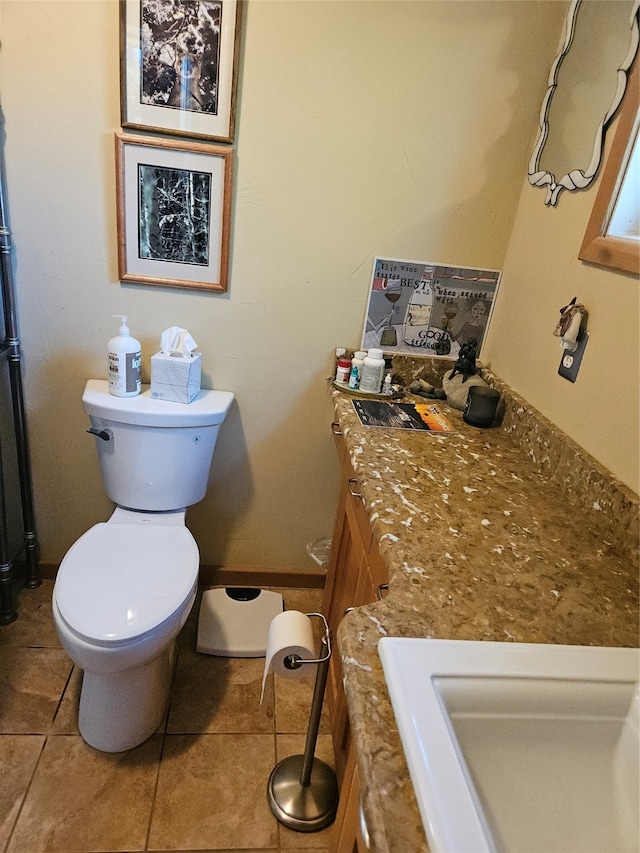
x=125 y=588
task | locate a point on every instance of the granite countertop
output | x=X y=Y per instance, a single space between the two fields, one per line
x=506 y=534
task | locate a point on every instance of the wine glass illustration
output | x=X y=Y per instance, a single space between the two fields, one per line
x=392 y=292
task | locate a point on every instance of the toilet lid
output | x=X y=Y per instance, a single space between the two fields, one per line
x=118 y=581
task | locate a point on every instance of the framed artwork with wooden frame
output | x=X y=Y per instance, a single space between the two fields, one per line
x=599 y=246
x=179 y=66
x=173 y=212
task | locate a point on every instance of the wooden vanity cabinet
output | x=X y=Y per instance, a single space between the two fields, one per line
x=348 y=837
x=355 y=576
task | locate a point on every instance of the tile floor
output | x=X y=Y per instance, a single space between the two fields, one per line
x=199 y=783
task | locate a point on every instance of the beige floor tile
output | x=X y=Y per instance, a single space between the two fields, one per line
x=84 y=800
x=294 y=841
x=293 y=699
x=212 y=793
x=305 y=600
x=66 y=719
x=215 y=694
x=34 y=625
x=18 y=757
x=31 y=683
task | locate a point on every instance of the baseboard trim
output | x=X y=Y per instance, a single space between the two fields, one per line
x=221 y=576
x=260 y=577
x=47 y=571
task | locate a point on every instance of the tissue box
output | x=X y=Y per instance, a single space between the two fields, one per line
x=175 y=378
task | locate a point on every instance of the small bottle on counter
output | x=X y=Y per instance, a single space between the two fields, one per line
x=387 y=387
x=356 y=369
x=372 y=372
x=343 y=369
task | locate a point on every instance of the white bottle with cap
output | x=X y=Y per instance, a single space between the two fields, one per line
x=356 y=369
x=125 y=358
x=372 y=372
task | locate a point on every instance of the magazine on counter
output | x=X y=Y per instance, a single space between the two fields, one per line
x=420 y=416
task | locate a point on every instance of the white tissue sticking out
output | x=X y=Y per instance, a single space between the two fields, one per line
x=290 y=633
x=177 y=342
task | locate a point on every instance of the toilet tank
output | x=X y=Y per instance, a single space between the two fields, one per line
x=154 y=455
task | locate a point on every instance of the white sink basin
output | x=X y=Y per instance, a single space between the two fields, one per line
x=516 y=747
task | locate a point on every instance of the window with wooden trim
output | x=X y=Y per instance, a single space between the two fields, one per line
x=612 y=238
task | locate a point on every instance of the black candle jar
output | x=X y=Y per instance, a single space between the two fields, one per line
x=481 y=406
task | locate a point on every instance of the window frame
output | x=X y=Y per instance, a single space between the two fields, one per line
x=616 y=253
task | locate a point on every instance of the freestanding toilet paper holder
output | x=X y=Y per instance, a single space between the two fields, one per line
x=303 y=790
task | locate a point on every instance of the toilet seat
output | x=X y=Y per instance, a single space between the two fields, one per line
x=119 y=582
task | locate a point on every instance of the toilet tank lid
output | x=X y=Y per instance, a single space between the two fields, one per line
x=208 y=409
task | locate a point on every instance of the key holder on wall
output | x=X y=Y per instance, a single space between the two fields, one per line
x=303 y=790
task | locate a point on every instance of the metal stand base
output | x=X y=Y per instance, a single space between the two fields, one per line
x=304 y=808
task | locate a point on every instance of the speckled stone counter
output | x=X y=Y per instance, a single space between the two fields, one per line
x=508 y=534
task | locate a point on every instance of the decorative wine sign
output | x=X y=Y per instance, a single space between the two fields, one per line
x=424 y=308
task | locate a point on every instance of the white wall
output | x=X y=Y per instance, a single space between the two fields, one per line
x=394 y=128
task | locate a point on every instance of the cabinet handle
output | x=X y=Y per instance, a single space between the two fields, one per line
x=335 y=428
x=352 y=484
x=348 y=610
x=381 y=589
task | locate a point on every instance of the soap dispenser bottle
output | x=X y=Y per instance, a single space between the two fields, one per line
x=125 y=357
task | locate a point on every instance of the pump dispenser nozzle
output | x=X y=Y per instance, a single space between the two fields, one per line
x=124 y=329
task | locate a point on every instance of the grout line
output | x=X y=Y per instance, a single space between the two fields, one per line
x=155 y=791
x=276 y=759
x=174 y=669
x=27 y=789
x=62 y=695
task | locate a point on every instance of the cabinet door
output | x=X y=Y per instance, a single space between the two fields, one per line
x=355 y=573
x=378 y=574
x=349 y=585
x=350 y=570
x=347 y=833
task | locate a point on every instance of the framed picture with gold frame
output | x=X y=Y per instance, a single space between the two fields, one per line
x=179 y=66
x=173 y=212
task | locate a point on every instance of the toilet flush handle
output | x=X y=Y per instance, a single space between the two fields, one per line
x=104 y=434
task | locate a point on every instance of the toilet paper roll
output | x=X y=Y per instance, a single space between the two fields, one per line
x=290 y=633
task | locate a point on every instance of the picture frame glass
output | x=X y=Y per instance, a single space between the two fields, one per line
x=174 y=213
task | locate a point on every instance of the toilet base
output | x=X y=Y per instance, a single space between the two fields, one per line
x=120 y=710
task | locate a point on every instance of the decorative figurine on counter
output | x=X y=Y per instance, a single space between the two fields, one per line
x=571 y=318
x=425 y=389
x=466 y=363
